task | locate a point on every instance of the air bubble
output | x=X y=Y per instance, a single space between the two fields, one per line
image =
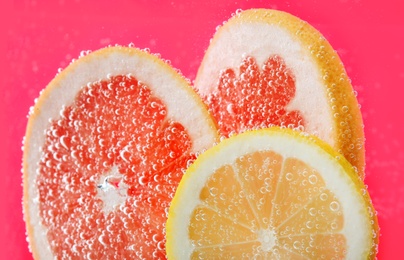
x=160 y=245
x=334 y=206
x=309 y=224
x=101 y=239
x=84 y=53
x=334 y=225
x=241 y=194
x=142 y=180
x=297 y=245
x=213 y=191
x=230 y=109
x=313 y=179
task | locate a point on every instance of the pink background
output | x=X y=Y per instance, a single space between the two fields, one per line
x=39 y=38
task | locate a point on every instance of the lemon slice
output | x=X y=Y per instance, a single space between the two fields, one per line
x=271 y=193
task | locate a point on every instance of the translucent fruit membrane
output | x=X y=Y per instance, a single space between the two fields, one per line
x=267 y=206
x=109 y=169
x=257 y=98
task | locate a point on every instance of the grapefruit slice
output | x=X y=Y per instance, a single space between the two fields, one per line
x=266 y=67
x=271 y=194
x=106 y=145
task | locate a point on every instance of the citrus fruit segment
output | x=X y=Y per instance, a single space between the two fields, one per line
x=271 y=193
x=106 y=145
x=266 y=67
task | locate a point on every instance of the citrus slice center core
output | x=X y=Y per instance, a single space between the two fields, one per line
x=112 y=190
x=267 y=238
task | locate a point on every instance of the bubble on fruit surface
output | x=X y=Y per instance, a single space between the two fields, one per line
x=289 y=176
x=254 y=97
x=84 y=53
x=323 y=196
x=102 y=177
x=334 y=206
x=284 y=204
x=312 y=179
x=238 y=11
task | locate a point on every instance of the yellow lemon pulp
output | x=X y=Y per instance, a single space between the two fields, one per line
x=271 y=193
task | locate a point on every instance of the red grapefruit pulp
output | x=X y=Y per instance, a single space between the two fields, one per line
x=101 y=169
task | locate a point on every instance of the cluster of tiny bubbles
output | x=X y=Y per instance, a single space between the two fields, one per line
x=158 y=55
x=31 y=111
x=84 y=53
x=254 y=97
x=299 y=32
x=85 y=143
x=216 y=29
x=237 y=13
x=73 y=61
x=147 y=50
x=312 y=179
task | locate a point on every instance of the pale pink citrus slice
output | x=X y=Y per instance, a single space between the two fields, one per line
x=267 y=67
x=106 y=145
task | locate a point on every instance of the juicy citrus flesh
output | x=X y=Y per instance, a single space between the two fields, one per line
x=278 y=219
x=270 y=203
x=108 y=141
x=317 y=95
x=257 y=97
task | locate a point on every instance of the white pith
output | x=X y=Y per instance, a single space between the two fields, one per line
x=182 y=106
x=357 y=224
x=260 y=40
